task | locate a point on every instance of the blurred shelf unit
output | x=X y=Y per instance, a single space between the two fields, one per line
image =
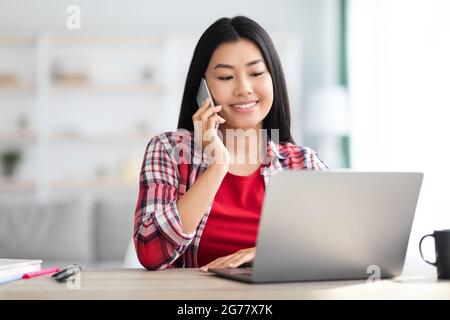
x=7 y=185
x=90 y=185
x=11 y=185
x=79 y=64
x=120 y=40
x=12 y=83
x=16 y=89
x=63 y=73
x=110 y=138
x=141 y=89
x=17 y=40
x=18 y=137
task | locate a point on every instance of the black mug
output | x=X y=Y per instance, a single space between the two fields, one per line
x=442 y=246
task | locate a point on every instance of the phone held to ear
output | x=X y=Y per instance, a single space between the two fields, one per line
x=203 y=94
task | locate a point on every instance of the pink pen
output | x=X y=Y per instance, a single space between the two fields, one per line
x=39 y=273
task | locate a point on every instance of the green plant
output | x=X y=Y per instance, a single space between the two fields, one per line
x=10 y=160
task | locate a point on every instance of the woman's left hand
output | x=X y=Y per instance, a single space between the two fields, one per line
x=233 y=260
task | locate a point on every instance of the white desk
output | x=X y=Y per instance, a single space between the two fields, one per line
x=192 y=284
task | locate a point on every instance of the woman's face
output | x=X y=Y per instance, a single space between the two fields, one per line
x=240 y=82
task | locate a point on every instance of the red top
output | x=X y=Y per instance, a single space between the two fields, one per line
x=233 y=222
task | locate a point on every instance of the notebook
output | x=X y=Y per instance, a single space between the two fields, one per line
x=12 y=269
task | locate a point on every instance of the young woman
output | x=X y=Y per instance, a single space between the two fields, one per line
x=202 y=189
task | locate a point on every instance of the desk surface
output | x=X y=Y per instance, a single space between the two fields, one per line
x=192 y=284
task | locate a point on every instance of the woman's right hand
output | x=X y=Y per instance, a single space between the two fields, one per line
x=206 y=120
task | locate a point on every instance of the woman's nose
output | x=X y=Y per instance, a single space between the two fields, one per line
x=244 y=88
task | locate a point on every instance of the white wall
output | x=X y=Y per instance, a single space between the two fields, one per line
x=399 y=84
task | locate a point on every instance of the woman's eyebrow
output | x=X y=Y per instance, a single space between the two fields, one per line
x=227 y=66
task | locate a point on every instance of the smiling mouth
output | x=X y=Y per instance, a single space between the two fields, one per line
x=244 y=107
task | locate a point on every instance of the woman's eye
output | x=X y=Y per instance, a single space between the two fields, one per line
x=257 y=74
x=226 y=78
x=254 y=74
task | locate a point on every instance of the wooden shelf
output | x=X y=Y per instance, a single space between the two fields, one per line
x=93 y=184
x=153 y=89
x=109 y=139
x=98 y=40
x=17 y=41
x=12 y=185
x=17 y=137
x=27 y=89
x=30 y=137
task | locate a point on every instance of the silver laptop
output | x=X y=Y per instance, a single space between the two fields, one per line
x=332 y=226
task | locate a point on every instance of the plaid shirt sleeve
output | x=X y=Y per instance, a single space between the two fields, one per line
x=313 y=162
x=158 y=236
x=300 y=158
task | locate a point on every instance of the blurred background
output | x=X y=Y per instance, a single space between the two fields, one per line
x=368 y=83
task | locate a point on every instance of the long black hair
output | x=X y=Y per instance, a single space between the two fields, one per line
x=231 y=30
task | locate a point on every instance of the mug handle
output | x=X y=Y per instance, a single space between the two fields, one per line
x=420 y=249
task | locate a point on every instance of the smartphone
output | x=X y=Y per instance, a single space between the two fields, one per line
x=203 y=93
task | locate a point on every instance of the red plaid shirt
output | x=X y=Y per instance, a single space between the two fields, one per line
x=170 y=167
